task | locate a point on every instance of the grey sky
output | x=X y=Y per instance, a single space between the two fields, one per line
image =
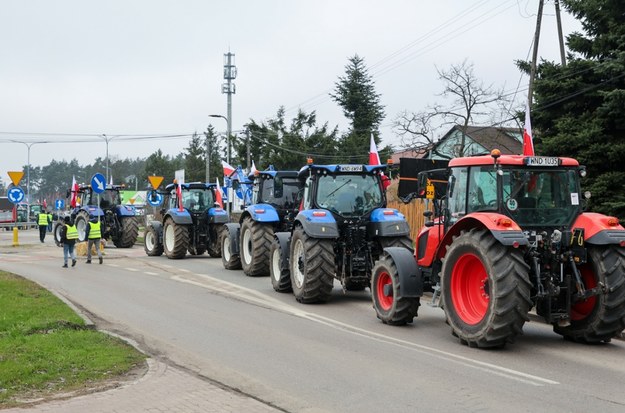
x=155 y=67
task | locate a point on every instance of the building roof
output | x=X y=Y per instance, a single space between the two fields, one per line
x=508 y=140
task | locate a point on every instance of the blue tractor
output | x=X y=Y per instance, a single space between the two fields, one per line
x=274 y=204
x=341 y=229
x=189 y=219
x=118 y=222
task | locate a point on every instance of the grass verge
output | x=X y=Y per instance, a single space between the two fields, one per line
x=46 y=349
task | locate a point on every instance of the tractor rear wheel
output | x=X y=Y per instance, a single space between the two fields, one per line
x=600 y=317
x=58 y=226
x=175 y=239
x=214 y=247
x=486 y=290
x=312 y=267
x=229 y=261
x=81 y=222
x=130 y=232
x=280 y=278
x=152 y=246
x=385 y=288
x=255 y=242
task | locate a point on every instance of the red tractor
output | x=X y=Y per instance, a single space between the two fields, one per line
x=508 y=234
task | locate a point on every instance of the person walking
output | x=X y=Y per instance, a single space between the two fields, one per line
x=43 y=219
x=94 y=235
x=69 y=235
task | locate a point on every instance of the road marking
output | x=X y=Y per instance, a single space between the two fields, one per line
x=131 y=269
x=150 y=273
x=254 y=297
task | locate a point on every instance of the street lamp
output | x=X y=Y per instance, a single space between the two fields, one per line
x=107 y=139
x=28 y=200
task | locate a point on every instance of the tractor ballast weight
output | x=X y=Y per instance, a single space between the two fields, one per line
x=192 y=223
x=118 y=222
x=274 y=204
x=509 y=234
x=340 y=231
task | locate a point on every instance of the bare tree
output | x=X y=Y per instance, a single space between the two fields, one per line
x=467 y=99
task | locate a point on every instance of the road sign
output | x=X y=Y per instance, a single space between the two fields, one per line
x=15 y=194
x=16 y=177
x=154 y=198
x=59 y=204
x=98 y=183
x=155 y=181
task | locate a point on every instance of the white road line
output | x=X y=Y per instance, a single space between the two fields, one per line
x=150 y=273
x=254 y=297
x=131 y=269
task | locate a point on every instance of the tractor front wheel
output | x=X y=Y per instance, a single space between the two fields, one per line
x=175 y=239
x=228 y=259
x=389 y=306
x=152 y=246
x=312 y=267
x=486 y=290
x=599 y=317
x=280 y=277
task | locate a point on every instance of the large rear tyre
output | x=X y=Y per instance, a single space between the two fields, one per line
x=130 y=232
x=389 y=306
x=175 y=239
x=486 y=290
x=312 y=267
x=600 y=317
x=81 y=222
x=255 y=241
x=229 y=260
x=152 y=246
x=280 y=277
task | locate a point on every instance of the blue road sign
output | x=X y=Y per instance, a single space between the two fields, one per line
x=98 y=183
x=154 y=198
x=15 y=194
x=59 y=204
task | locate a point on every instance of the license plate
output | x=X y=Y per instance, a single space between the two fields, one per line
x=542 y=161
x=350 y=168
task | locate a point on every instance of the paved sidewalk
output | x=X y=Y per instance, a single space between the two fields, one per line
x=164 y=389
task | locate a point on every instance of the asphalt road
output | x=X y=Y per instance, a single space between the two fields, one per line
x=334 y=357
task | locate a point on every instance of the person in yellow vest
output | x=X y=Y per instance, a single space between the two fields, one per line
x=69 y=235
x=93 y=233
x=43 y=219
x=50 y=219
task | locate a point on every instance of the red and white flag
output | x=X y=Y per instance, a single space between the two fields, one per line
x=45 y=204
x=179 y=196
x=228 y=169
x=374 y=159
x=74 y=193
x=219 y=198
x=528 y=140
x=253 y=170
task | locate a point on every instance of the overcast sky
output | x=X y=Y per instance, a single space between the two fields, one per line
x=154 y=67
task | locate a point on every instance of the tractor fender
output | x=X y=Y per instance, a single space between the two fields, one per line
x=125 y=211
x=388 y=222
x=179 y=217
x=284 y=241
x=217 y=216
x=261 y=213
x=158 y=228
x=233 y=232
x=600 y=229
x=410 y=280
x=318 y=223
x=502 y=227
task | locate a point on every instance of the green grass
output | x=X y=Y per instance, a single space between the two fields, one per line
x=45 y=348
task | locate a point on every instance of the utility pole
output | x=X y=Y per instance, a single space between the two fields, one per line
x=530 y=90
x=229 y=88
x=560 y=37
x=247 y=143
x=208 y=156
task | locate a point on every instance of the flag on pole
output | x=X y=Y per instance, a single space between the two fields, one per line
x=179 y=196
x=74 y=193
x=253 y=170
x=111 y=181
x=528 y=140
x=228 y=169
x=218 y=195
x=374 y=159
x=45 y=204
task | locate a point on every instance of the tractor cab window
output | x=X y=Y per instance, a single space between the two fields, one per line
x=278 y=191
x=198 y=199
x=457 y=193
x=542 y=196
x=349 y=195
x=108 y=199
x=482 y=194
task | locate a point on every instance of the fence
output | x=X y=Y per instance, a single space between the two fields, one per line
x=413 y=212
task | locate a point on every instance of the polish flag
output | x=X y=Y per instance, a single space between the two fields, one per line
x=374 y=159
x=219 y=198
x=253 y=170
x=179 y=196
x=74 y=193
x=228 y=169
x=45 y=204
x=528 y=140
